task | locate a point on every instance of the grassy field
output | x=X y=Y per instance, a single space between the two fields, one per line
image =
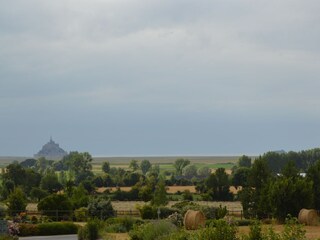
x=312 y=232
x=166 y=163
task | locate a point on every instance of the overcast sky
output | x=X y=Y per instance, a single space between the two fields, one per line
x=159 y=77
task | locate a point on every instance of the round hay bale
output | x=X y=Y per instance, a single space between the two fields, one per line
x=308 y=217
x=194 y=220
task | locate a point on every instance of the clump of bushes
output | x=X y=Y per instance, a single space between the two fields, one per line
x=153 y=230
x=121 y=224
x=89 y=232
x=209 y=212
x=44 y=229
x=151 y=212
x=100 y=208
x=176 y=219
x=217 y=230
x=81 y=214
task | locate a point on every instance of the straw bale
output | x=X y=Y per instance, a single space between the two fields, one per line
x=194 y=220
x=308 y=217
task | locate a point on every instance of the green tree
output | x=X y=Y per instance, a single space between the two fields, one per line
x=134 y=165
x=15 y=173
x=106 y=167
x=190 y=171
x=289 y=196
x=244 y=161
x=38 y=194
x=180 y=164
x=217 y=185
x=16 y=202
x=28 y=163
x=80 y=162
x=260 y=174
x=55 y=206
x=100 y=208
x=42 y=165
x=79 y=197
x=160 y=194
x=240 y=177
x=204 y=172
x=50 y=183
x=32 y=179
x=290 y=170
x=313 y=175
x=145 y=165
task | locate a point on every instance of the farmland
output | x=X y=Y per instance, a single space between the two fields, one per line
x=166 y=163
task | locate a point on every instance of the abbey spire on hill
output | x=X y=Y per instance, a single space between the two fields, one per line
x=51 y=151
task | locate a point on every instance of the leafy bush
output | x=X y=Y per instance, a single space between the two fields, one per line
x=116 y=228
x=27 y=229
x=147 y=212
x=152 y=230
x=182 y=204
x=89 y=231
x=293 y=230
x=255 y=231
x=187 y=195
x=55 y=206
x=221 y=212
x=121 y=224
x=100 y=208
x=221 y=231
x=151 y=212
x=176 y=219
x=44 y=229
x=244 y=222
x=81 y=214
x=34 y=219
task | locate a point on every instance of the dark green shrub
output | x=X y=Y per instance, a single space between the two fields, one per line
x=89 y=231
x=34 y=219
x=187 y=195
x=81 y=214
x=27 y=229
x=166 y=211
x=151 y=212
x=55 y=206
x=244 y=222
x=44 y=229
x=57 y=228
x=147 y=212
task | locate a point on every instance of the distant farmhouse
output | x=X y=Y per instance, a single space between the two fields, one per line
x=51 y=151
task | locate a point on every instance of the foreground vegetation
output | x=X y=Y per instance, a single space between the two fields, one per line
x=271 y=186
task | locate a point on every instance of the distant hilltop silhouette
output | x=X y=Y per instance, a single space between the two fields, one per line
x=51 y=151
